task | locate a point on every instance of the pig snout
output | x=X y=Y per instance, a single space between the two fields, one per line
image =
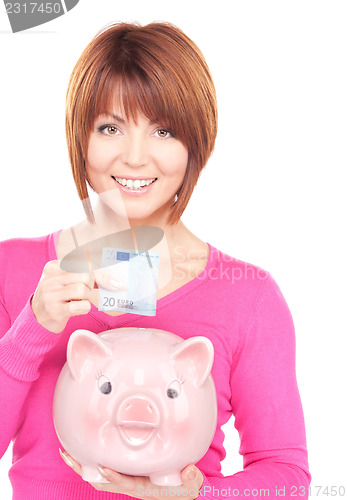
x=137 y=418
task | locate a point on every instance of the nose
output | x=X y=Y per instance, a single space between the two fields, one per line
x=138 y=409
x=135 y=152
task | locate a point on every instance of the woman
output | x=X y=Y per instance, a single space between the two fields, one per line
x=141 y=123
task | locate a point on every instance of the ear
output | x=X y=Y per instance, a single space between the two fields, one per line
x=198 y=352
x=84 y=345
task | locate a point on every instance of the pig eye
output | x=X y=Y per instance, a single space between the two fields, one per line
x=174 y=389
x=104 y=384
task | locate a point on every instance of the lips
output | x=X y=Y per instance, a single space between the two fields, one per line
x=134 y=184
x=135 y=192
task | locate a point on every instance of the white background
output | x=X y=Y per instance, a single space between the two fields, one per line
x=274 y=192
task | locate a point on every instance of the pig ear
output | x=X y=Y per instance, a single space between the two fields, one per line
x=84 y=345
x=198 y=352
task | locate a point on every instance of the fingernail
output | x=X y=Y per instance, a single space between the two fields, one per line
x=65 y=458
x=117 y=284
x=104 y=474
x=191 y=474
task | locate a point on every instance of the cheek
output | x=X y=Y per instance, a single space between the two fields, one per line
x=97 y=157
x=174 y=162
x=98 y=412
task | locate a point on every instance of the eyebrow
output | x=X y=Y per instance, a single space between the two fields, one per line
x=119 y=119
x=114 y=117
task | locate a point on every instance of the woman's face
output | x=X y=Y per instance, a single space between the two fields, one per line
x=143 y=160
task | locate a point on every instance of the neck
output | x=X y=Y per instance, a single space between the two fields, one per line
x=112 y=218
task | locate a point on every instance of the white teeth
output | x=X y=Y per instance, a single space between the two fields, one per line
x=136 y=184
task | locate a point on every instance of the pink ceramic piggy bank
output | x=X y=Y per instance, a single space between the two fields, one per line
x=139 y=401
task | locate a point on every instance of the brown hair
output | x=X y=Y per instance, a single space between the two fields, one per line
x=163 y=75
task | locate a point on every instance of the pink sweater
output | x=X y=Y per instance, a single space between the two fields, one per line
x=238 y=306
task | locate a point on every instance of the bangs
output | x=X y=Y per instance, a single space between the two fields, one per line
x=135 y=93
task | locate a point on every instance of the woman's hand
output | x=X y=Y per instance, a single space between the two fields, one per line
x=140 y=486
x=60 y=295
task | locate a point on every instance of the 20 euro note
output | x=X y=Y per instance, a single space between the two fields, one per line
x=138 y=273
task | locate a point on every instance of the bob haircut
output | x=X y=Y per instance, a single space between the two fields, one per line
x=158 y=72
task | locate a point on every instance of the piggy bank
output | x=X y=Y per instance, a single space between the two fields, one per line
x=139 y=401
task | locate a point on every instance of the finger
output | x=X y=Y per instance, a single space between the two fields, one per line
x=71 y=462
x=108 y=280
x=78 y=307
x=190 y=474
x=58 y=282
x=192 y=478
x=53 y=270
x=122 y=481
x=55 y=301
x=70 y=278
x=73 y=291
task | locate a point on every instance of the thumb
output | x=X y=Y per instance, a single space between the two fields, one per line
x=190 y=474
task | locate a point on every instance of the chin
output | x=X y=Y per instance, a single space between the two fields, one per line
x=139 y=218
x=143 y=221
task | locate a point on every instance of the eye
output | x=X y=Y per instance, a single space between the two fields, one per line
x=174 y=389
x=104 y=385
x=108 y=129
x=163 y=133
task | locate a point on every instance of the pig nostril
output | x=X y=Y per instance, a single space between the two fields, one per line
x=150 y=409
x=128 y=407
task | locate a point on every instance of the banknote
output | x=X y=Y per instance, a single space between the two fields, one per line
x=137 y=272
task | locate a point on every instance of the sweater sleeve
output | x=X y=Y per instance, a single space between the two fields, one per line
x=23 y=345
x=267 y=408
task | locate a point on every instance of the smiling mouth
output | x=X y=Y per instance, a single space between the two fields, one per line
x=137 y=434
x=134 y=184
